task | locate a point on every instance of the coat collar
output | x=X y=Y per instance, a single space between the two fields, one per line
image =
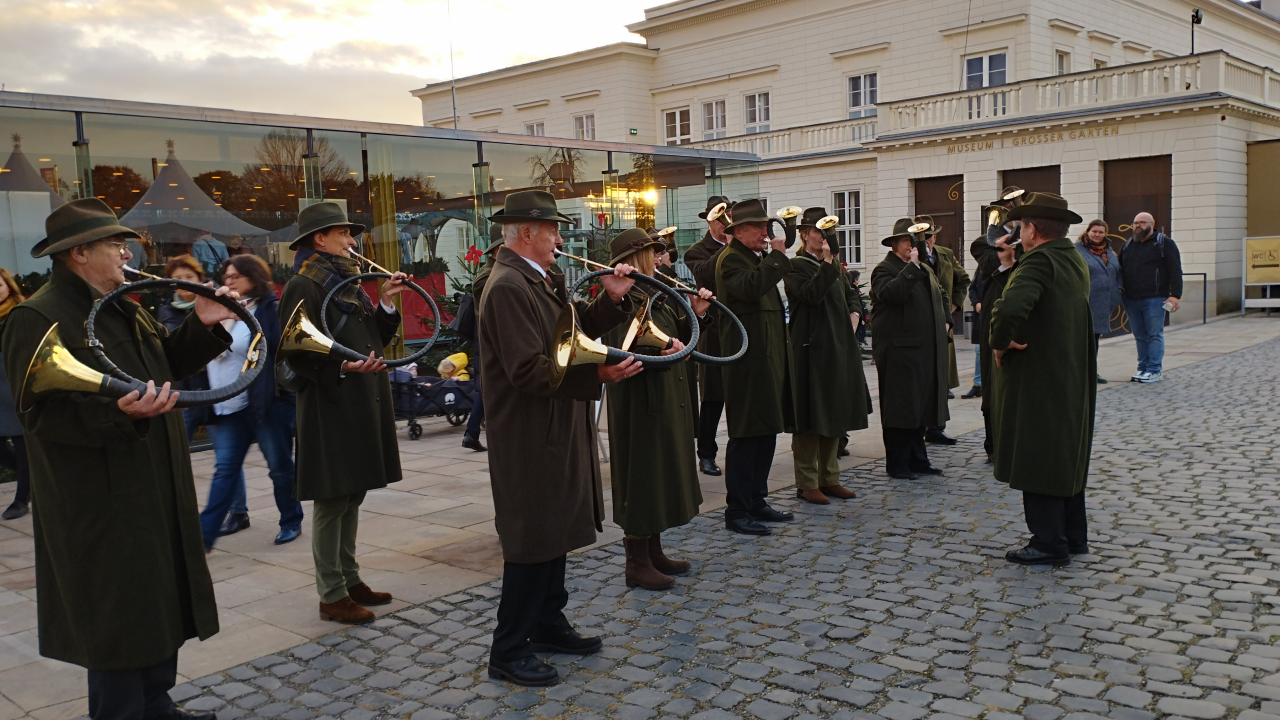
x=510 y=258
x=737 y=246
x=73 y=287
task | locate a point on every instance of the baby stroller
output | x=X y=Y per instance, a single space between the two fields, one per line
x=430 y=397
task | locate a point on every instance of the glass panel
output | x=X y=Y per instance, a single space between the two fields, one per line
x=872 y=89
x=996 y=68
x=764 y=107
x=38 y=176
x=973 y=73
x=855 y=92
x=751 y=110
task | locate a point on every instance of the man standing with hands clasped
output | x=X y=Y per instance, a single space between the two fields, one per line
x=1044 y=384
x=1152 y=272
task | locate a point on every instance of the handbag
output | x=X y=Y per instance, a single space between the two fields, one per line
x=290 y=381
x=464 y=322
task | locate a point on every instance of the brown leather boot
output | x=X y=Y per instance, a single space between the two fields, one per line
x=814 y=496
x=640 y=571
x=661 y=562
x=364 y=596
x=839 y=491
x=346 y=611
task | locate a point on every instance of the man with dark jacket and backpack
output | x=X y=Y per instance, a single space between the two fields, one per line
x=1152 y=272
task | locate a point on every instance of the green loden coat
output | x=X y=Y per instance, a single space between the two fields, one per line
x=909 y=344
x=1043 y=398
x=701 y=259
x=120 y=568
x=954 y=283
x=653 y=469
x=543 y=462
x=762 y=384
x=346 y=425
x=830 y=394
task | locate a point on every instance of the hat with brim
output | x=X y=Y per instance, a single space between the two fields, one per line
x=747 y=211
x=899 y=231
x=530 y=206
x=809 y=219
x=934 y=228
x=77 y=223
x=1044 y=205
x=713 y=201
x=631 y=241
x=1005 y=193
x=320 y=217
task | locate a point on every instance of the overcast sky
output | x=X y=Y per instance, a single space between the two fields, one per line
x=355 y=59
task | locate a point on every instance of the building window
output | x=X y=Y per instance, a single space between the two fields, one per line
x=714 y=123
x=757 y=115
x=847 y=205
x=862 y=95
x=986 y=71
x=584 y=127
x=535 y=129
x=677 y=123
x=1099 y=64
x=1062 y=63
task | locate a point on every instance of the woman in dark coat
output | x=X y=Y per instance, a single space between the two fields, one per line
x=10 y=427
x=909 y=335
x=653 y=469
x=1106 y=283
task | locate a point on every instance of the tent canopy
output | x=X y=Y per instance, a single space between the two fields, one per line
x=19 y=175
x=175 y=199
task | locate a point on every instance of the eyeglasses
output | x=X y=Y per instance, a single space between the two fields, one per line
x=120 y=245
x=228 y=277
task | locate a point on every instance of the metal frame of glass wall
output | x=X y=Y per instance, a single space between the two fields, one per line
x=189 y=177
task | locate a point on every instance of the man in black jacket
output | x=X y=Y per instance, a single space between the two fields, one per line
x=701 y=259
x=1152 y=271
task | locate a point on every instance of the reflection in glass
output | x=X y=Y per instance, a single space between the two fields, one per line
x=38 y=176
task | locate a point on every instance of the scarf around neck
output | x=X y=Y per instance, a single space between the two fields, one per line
x=330 y=270
x=1100 y=248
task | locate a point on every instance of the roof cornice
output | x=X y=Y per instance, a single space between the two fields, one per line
x=585 y=56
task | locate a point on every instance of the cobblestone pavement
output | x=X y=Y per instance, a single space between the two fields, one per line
x=897 y=604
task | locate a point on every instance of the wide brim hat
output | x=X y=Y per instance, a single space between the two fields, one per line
x=631 y=241
x=1000 y=199
x=1044 y=205
x=934 y=228
x=320 y=217
x=899 y=231
x=493 y=248
x=530 y=206
x=77 y=223
x=713 y=201
x=810 y=217
x=747 y=211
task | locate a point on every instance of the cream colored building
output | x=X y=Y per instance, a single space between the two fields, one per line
x=877 y=110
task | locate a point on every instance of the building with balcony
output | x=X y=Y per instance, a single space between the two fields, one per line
x=878 y=110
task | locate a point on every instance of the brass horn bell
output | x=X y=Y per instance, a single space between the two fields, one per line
x=300 y=335
x=643 y=336
x=54 y=369
x=573 y=347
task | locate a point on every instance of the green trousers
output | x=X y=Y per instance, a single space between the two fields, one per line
x=333 y=545
x=816 y=465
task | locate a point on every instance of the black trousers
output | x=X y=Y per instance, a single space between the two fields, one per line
x=1058 y=525
x=532 y=604
x=746 y=474
x=989 y=441
x=904 y=449
x=22 y=494
x=708 y=422
x=132 y=694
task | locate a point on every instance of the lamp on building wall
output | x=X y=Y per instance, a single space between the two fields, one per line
x=1197 y=18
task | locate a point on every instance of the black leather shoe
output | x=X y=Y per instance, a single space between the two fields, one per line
x=768 y=514
x=529 y=672
x=177 y=713
x=287 y=535
x=708 y=466
x=1030 y=556
x=1082 y=550
x=843 y=452
x=15 y=511
x=903 y=475
x=927 y=470
x=951 y=395
x=471 y=443
x=569 y=643
x=746 y=526
x=937 y=437
x=974 y=392
x=234 y=524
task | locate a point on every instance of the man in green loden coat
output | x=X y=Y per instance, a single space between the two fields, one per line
x=544 y=469
x=909 y=342
x=651 y=459
x=759 y=387
x=829 y=382
x=120 y=566
x=346 y=423
x=701 y=259
x=954 y=283
x=1045 y=383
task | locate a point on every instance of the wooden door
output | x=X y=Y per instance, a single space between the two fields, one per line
x=1133 y=186
x=943 y=199
x=1037 y=179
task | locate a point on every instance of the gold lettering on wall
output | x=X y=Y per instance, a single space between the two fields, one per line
x=1057 y=136
x=971 y=146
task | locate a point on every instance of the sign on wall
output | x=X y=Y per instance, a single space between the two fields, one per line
x=1262 y=261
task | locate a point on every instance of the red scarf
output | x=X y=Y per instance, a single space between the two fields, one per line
x=1100 y=249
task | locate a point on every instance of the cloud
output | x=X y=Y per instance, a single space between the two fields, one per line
x=351 y=59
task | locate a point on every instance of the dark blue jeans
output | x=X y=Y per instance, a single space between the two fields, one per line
x=275 y=438
x=1146 y=317
x=477 y=417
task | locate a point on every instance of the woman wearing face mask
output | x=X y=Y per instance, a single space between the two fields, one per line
x=265 y=413
x=1105 y=279
x=10 y=428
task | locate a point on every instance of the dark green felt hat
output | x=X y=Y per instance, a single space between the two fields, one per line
x=320 y=217
x=529 y=206
x=79 y=222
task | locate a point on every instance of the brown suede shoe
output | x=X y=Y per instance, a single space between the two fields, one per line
x=839 y=491
x=364 y=596
x=814 y=496
x=346 y=611
x=661 y=562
